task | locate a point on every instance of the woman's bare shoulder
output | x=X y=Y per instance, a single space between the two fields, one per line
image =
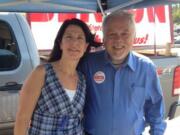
x=37 y=75
x=39 y=70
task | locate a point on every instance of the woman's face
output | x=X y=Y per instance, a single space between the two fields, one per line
x=73 y=44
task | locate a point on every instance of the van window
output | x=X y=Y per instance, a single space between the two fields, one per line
x=9 y=51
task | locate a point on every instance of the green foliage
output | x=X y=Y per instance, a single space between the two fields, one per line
x=176 y=13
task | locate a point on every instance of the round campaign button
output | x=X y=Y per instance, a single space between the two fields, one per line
x=99 y=77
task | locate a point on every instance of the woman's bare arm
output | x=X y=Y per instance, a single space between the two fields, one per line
x=29 y=95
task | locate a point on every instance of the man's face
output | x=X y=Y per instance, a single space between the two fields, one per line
x=118 y=38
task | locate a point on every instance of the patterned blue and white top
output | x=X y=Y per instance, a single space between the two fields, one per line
x=54 y=113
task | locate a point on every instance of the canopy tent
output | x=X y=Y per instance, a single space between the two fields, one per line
x=80 y=6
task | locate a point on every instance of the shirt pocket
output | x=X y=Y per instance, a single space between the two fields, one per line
x=138 y=98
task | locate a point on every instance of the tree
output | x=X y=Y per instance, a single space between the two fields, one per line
x=176 y=13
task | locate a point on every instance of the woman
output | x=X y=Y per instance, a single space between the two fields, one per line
x=53 y=95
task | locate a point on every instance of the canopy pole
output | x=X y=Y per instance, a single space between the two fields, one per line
x=100 y=6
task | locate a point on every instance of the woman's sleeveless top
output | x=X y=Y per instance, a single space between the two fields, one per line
x=54 y=113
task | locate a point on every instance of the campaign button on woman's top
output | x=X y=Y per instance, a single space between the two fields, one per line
x=99 y=77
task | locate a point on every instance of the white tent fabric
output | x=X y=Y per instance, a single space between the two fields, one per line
x=75 y=5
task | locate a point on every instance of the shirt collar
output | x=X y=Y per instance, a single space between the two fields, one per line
x=106 y=58
x=130 y=61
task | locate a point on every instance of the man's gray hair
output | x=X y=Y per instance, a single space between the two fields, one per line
x=119 y=13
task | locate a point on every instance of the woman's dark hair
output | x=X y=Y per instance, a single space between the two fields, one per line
x=57 y=52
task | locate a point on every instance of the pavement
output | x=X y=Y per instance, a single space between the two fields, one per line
x=173 y=127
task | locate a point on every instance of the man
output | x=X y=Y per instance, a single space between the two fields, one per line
x=123 y=89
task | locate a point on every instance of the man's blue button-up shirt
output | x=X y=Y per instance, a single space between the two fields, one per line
x=121 y=101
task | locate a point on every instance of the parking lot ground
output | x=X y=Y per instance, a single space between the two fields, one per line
x=173 y=127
